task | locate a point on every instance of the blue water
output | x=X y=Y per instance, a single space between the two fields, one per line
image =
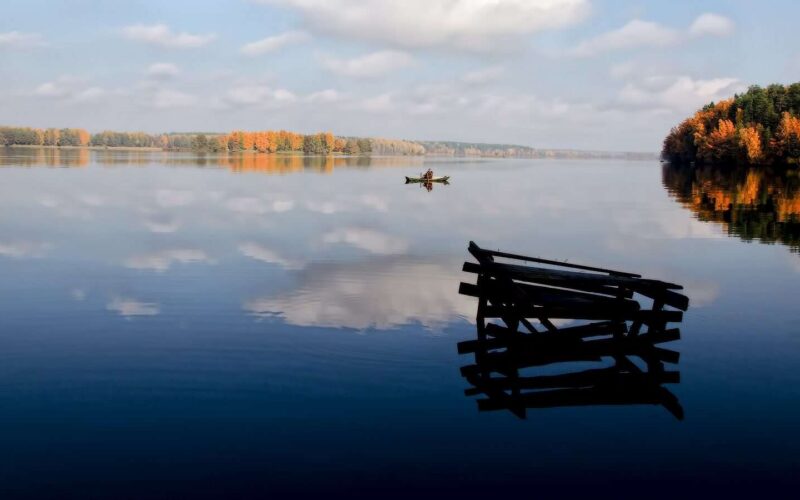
x=182 y=327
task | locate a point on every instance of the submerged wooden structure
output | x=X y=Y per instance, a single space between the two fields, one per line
x=534 y=313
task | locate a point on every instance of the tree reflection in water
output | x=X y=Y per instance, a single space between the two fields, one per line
x=753 y=204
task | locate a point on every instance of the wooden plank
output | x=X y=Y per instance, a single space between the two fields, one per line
x=536 y=350
x=611 y=291
x=656 y=395
x=535 y=274
x=646 y=316
x=502 y=337
x=547 y=295
x=661 y=337
x=595 y=329
x=585 y=378
x=497 y=253
x=557 y=302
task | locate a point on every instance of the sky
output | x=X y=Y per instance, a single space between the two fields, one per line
x=583 y=74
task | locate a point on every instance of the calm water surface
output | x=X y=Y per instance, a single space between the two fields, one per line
x=174 y=326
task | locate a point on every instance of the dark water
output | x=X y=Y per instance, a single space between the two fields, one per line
x=183 y=327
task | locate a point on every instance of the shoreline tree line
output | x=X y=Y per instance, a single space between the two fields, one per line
x=269 y=141
x=758 y=128
x=264 y=141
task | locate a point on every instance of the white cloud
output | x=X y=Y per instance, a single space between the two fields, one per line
x=264 y=254
x=90 y=94
x=167 y=99
x=712 y=25
x=92 y=200
x=174 y=198
x=70 y=89
x=78 y=294
x=324 y=207
x=476 y=25
x=672 y=225
x=367 y=239
x=131 y=307
x=19 y=40
x=50 y=89
x=280 y=206
x=161 y=224
x=636 y=33
x=677 y=93
x=379 y=103
x=623 y=70
x=376 y=294
x=272 y=43
x=162 y=35
x=163 y=260
x=700 y=293
x=261 y=95
x=379 y=203
x=483 y=76
x=23 y=249
x=248 y=205
x=370 y=65
x=163 y=71
x=324 y=96
x=257 y=206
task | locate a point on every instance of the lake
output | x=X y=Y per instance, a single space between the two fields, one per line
x=184 y=326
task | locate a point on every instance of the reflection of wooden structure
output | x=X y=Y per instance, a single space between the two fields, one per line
x=604 y=320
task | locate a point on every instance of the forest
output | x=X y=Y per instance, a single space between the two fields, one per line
x=758 y=128
x=282 y=141
x=266 y=141
x=271 y=141
x=43 y=137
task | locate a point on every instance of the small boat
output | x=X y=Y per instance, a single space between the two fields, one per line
x=432 y=179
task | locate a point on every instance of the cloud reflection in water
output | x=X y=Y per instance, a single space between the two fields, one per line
x=380 y=294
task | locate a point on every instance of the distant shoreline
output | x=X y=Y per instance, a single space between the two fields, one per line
x=93 y=148
x=535 y=154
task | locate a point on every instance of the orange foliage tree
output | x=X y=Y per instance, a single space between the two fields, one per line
x=759 y=127
x=750 y=142
x=787 y=138
x=248 y=140
x=83 y=137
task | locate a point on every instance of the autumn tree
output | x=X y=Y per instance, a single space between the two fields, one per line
x=351 y=147
x=296 y=141
x=248 y=141
x=339 y=145
x=787 y=138
x=318 y=144
x=757 y=127
x=750 y=142
x=51 y=137
x=261 y=142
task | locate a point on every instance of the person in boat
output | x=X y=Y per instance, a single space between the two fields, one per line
x=429 y=174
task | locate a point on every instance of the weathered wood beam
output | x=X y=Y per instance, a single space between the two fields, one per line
x=587 y=313
x=586 y=378
x=654 y=395
x=497 y=253
x=611 y=291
